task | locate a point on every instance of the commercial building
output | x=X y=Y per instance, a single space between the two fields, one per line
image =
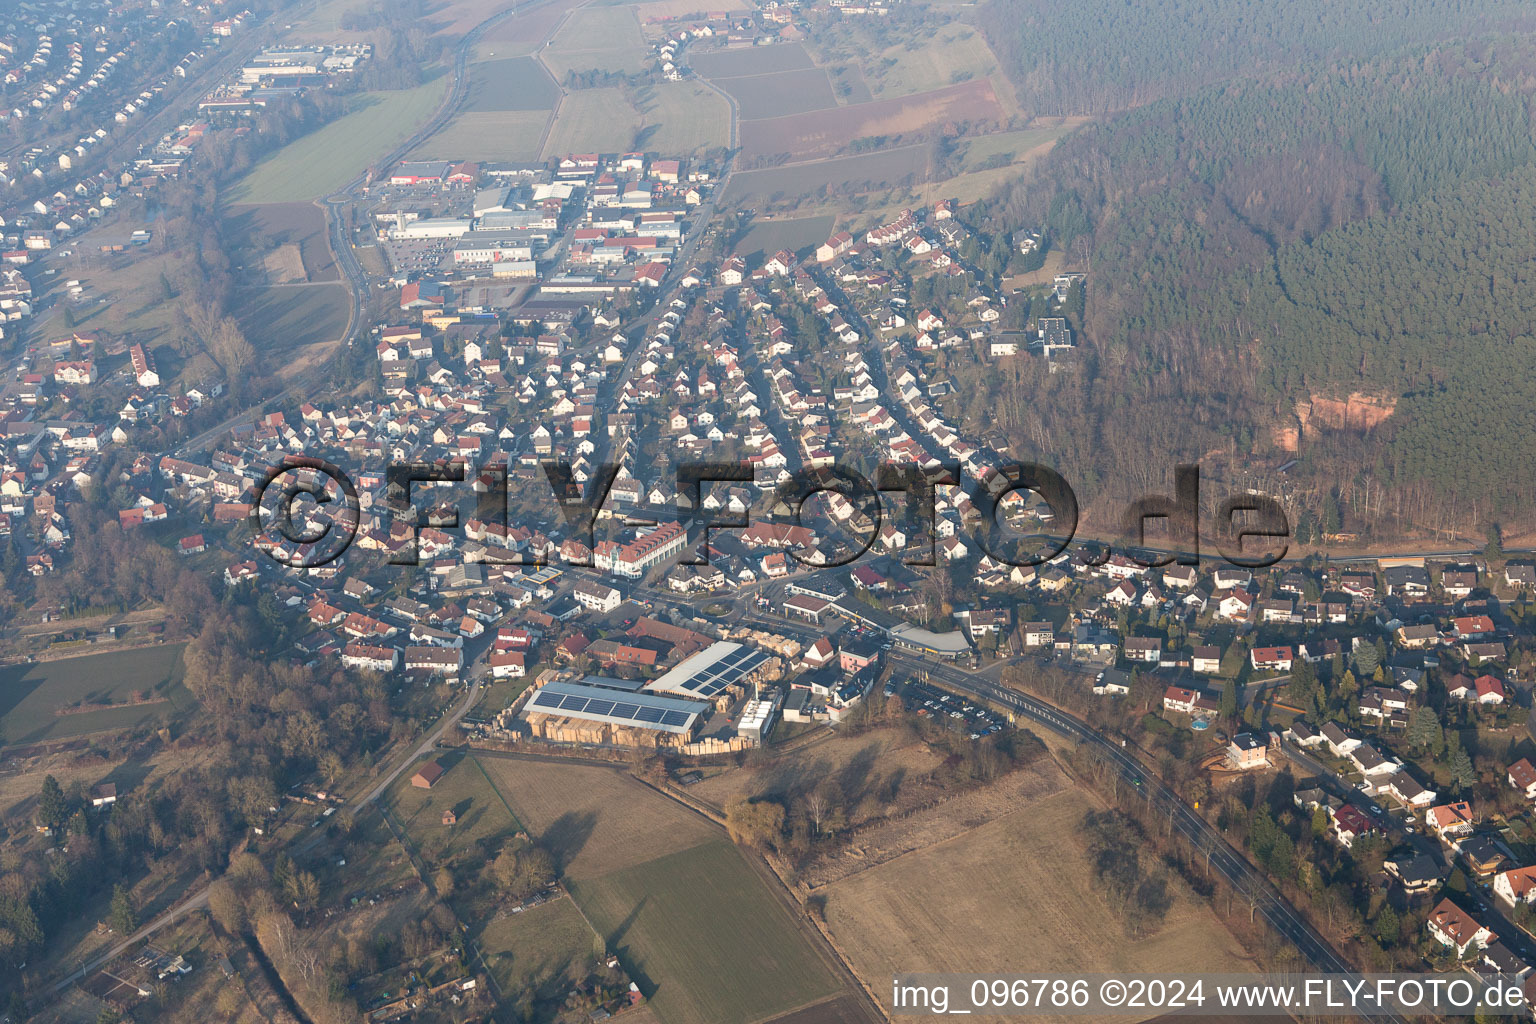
x=757 y=720
x=428 y=172
x=622 y=718
x=491 y=247
x=634 y=558
x=707 y=673
x=430 y=227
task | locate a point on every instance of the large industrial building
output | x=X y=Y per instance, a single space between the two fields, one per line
x=491 y=247
x=428 y=227
x=709 y=672
x=582 y=713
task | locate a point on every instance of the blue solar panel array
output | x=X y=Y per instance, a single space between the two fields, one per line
x=730 y=668
x=570 y=698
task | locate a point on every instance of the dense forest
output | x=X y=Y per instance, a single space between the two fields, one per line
x=1352 y=227
x=1098 y=56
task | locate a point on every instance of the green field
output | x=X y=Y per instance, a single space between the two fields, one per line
x=770 y=236
x=893 y=64
x=285 y=319
x=704 y=938
x=510 y=83
x=681 y=118
x=513 y=135
x=326 y=159
x=31 y=695
x=1011 y=145
x=676 y=118
x=466 y=791
x=543 y=950
x=600 y=38
x=593 y=121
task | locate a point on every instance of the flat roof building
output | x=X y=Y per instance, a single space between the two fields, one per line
x=711 y=670
x=613 y=707
x=757 y=720
x=925 y=641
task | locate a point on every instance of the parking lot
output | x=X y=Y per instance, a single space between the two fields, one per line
x=423 y=255
x=960 y=713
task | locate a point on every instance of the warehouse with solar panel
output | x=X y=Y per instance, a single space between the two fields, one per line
x=714 y=700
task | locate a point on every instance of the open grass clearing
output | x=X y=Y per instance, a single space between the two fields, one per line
x=850 y=766
x=1016 y=146
x=31 y=696
x=770 y=236
x=705 y=939
x=953 y=54
x=285 y=318
x=282 y=224
x=595 y=820
x=657 y=16
x=1016 y=889
x=319 y=163
x=825 y=133
x=465 y=790
x=124 y=291
x=822 y=179
x=543 y=950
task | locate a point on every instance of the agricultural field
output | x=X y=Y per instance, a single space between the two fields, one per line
x=979 y=901
x=668 y=893
x=55 y=700
x=718 y=65
x=288 y=319
x=321 y=22
x=510 y=83
x=512 y=135
x=457 y=17
x=326 y=159
x=523 y=33
x=1017 y=146
x=654 y=15
x=894 y=67
x=667 y=117
x=463 y=789
x=825 y=133
x=816 y=180
x=681 y=118
x=596 y=39
x=595 y=820
x=677 y=924
x=769 y=236
x=300 y=225
x=780 y=93
x=542 y=950
x=592 y=120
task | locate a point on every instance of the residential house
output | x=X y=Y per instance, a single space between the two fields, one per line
x=1451 y=926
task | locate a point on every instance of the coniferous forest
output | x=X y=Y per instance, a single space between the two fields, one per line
x=1336 y=202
